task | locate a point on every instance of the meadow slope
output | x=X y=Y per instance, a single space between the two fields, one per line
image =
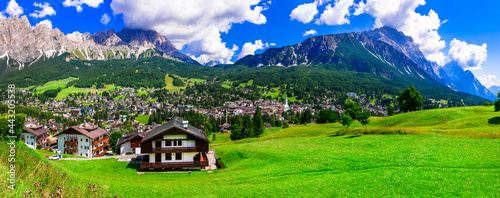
x=320 y=160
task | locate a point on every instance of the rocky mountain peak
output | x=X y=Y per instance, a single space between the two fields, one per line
x=21 y=42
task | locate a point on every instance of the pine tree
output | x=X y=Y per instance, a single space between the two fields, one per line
x=258 y=122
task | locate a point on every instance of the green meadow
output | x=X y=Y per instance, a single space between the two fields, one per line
x=435 y=153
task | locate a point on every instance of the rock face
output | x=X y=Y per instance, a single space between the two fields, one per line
x=396 y=54
x=450 y=75
x=21 y=42
x=351 y=51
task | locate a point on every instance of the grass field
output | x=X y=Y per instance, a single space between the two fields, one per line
x=144 y=119
x=71 y=90
x=53 y=85
x=432 y=160
x=187 y=82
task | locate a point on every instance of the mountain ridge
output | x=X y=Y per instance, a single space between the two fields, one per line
x=23 y=43
x=391 y=47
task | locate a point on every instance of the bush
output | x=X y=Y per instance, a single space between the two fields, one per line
x=487 y=104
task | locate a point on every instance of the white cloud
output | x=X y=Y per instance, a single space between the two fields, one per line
x=105 y=19
x=45 y=22
x=78 y=3
x=249 y=48
x=402 y=16
x=195 y=25
x=337 y=14
x=304 y=13
x=14 y=9
x=47 y=10
x=310 y=32
x=468 y=56
x=489 y=80
x=2 y=16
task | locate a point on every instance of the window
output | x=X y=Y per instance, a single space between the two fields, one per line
x=178 y=156
x=169 y=143
x=179 y=143
x=175 y=143
x=81 y=140
x=86 y=140
x=168 y=156
x=158 y=144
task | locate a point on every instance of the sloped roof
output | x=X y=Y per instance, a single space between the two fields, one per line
x=88 y=129
x=130 y=136
x=35 y=129
x=191 y=130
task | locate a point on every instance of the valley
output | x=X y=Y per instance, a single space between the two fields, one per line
x=413 y=158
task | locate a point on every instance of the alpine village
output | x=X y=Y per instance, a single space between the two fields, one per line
x=129 y=113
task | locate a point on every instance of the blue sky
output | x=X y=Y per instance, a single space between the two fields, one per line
x=224 y=30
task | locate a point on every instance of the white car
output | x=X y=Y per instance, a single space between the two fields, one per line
x=54 y=157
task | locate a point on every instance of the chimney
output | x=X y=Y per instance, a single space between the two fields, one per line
x=185 y=124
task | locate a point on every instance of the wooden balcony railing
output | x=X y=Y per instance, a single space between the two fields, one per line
x=70 y=150
x=158 y=165
x=44 y=143
x=175 y=149
x=99 y=141
x=101 y=154
x=43 y=137
x=135 y=145
x=100 y=147
x=71 y=143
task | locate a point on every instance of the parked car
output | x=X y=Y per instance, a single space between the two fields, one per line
x=54 y=157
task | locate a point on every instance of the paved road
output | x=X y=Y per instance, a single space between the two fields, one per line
x=119 y=157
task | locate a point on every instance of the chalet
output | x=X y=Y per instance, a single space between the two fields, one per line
x=34 y=135
x=86 y=140
x=175 y=145
x=131 y=142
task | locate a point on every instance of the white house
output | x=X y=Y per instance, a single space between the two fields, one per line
x=87 y=140
x=34 y=135
x=131 y=142
x=175 y=145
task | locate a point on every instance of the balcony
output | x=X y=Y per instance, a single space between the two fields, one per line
x=135 y=145
x=158 y=165
x=70 y=150
x=99 y=141
x=99 y=147
x=175 y=149
x=100 y=154
x=71 y=143
x=42 y=138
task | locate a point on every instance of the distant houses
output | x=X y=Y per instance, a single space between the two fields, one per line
x=35 y=136
x=87 y=140
x=175 y=145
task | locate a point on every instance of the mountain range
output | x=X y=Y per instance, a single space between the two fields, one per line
x=23 y=44
x=383 y=52
x=396 y=55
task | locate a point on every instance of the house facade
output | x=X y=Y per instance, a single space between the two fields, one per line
x=34 y=135
x=131 y=142
x=175 y=145
x=86 y=140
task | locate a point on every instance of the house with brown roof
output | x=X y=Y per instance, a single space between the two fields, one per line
x=175 y=145
x=34 y=135
x=87 y=140
x=131 y=142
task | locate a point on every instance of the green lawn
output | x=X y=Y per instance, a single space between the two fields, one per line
x=47 y=154
x=71 y=90
x=144 y=119
x=53 y=85
x=319 y=160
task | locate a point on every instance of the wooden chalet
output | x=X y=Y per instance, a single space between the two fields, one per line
x=175 y=145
